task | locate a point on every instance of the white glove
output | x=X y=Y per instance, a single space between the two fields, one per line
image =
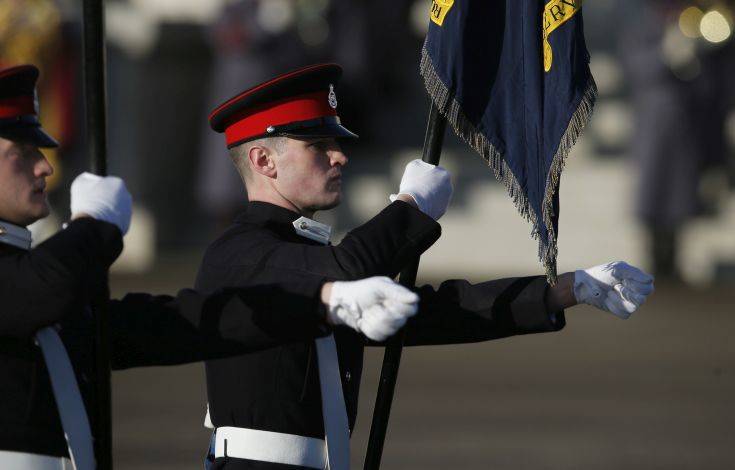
x=429 y=185
x=102 y=198
x=376 y=307
x=616 y=287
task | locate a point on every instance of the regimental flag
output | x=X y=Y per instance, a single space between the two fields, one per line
x=512 y=77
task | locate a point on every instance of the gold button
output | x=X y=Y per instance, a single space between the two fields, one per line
x=303 y=226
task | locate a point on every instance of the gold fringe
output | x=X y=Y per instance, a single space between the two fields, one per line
x=450 y=108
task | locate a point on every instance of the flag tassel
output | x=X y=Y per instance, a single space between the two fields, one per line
x=580 y=118
x=450 y=108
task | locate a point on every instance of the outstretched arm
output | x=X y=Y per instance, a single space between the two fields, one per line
x=460 y=312
x=163 y=330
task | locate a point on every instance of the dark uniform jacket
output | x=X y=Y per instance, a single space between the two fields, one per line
x=278 y=389
x=50 y=284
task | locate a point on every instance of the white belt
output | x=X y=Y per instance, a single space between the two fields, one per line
x=267 y=446
x=69 y=402
x=336 y=446
x=334 y=413
x=21 y=460
x=72 y=413
x=336 y=426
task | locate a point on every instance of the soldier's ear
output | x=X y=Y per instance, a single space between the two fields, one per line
x=261 y=161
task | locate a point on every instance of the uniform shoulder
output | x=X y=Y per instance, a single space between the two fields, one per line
x=240 y=244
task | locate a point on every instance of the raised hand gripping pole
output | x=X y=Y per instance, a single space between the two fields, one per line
x=433 y=141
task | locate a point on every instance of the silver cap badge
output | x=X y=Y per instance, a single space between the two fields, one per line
x=332 y=97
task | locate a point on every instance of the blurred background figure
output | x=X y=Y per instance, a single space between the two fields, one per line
x=679 y=66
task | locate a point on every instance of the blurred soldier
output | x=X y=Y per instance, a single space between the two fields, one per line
x=292 y=406
x=46 y=387
x=680 y=98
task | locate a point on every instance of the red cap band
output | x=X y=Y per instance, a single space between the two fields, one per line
x=254 y=122
x=16 y=106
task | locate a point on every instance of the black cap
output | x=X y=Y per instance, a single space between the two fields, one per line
x=302 y=103
x=19 y=107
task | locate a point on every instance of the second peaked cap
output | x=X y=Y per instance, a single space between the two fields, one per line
x=301 y=103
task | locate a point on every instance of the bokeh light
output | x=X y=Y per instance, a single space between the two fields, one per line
x=714 y=27
x=419 y=18
x=607 y=72
x=314 y=32
x=689 y=22
x=679 y=53
x=275 y=16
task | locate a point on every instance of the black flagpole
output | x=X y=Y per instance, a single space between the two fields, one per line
x=433 y=142
x=95 y=100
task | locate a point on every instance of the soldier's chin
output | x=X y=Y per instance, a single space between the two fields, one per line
x=326 y=205
x=39 y=212
x=31 y=216
x=330 y=206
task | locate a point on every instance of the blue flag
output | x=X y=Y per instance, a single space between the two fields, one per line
x=512 y=78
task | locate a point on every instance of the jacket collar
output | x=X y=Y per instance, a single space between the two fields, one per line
x=14 y=235
x=265 y=213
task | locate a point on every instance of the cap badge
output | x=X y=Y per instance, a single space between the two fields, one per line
x=36 y=107
x=332 y=97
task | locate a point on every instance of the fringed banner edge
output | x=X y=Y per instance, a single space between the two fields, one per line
x=448 y=106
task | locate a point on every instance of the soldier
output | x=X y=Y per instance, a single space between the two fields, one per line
x=292 y=406
x=46 y=386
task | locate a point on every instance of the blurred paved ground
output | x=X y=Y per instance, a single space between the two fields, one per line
x=653 y=392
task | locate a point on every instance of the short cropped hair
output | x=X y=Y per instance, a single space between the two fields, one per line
x=239 y=153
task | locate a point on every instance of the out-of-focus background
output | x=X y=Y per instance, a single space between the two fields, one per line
x=650 y=182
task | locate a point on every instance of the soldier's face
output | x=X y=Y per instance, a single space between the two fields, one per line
x=23 y=173
x=310 y=173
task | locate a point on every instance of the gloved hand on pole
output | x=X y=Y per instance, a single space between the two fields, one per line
x=429 y=185
x=102 y=198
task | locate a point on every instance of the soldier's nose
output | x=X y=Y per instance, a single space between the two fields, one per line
x=43 y=167
x=338 y=158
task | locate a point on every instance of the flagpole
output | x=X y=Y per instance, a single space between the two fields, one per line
x=95 y=101
x=433 y=141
